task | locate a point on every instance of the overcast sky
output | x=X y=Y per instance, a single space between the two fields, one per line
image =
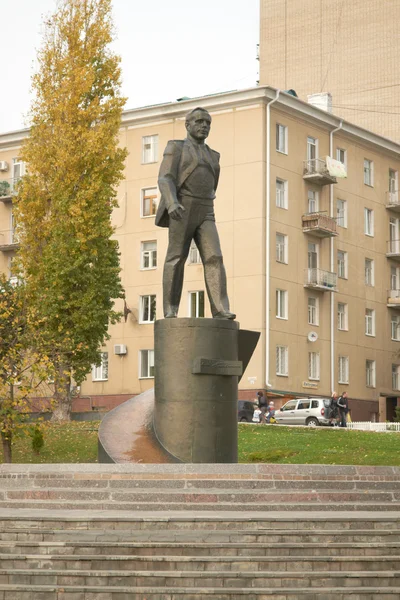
x=169 y=49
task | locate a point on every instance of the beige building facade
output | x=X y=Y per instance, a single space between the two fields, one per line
x=350 y=49
x=313 y=261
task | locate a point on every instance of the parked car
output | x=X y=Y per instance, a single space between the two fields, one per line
x=304 y=411
x=245 y=411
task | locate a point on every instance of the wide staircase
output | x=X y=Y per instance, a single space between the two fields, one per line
x=187 y=532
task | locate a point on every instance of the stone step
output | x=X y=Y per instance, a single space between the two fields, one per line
x=217 y=536
x=101 y=484
x=366 y=503
x=198 y=549
x=162 y=497
x=133 y=521
x=199 y=471
x=233 y=564
x=50 y=592
x=193 y=579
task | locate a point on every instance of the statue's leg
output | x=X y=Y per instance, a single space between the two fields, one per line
x=207 y=240
x=180 y=235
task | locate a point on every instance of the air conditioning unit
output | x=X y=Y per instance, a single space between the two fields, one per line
x=119 y=349
x=3 y=165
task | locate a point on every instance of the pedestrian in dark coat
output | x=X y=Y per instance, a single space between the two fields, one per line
x=343 y=406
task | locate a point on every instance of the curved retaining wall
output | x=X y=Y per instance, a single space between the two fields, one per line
x=126 y=434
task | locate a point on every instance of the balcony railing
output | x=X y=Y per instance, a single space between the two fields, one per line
x=316 y=171
x=393 y=200
x=8 y=241
x=8 y=188
x=319 y=224
x=393 y=249
x=393 y=298
x=319 y=279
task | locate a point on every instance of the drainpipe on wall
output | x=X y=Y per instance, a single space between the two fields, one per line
x=267 y=237
x=331 y=213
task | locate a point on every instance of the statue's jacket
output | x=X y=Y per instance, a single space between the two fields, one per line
x=179 y=161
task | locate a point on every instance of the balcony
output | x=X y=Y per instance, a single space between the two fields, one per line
x=8 y=241
x=316 y=171
x=319 y=224
x=8 y=189
x=393 y=249
x=393 y=201
x=393 y=299
x=317 y=279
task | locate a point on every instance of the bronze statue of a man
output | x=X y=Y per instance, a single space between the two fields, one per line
x=188 y=180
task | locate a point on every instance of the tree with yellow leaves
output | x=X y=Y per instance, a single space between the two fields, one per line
x=67 y=257
x=22 y=368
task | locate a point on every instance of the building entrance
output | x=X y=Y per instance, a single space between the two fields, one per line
x=391 y=403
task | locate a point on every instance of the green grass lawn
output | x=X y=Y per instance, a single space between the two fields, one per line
x=298 y=445
x=72 y=442
x=76 y=442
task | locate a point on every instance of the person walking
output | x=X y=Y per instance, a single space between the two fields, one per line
x=343 y=406
x=262 y=405
x=257 y=415
x=333 y=410
x=270 y=413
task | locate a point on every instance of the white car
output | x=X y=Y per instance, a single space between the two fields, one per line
x=304 y=411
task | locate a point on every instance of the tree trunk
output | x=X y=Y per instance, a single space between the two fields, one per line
x=62 y=400
x=6 y=443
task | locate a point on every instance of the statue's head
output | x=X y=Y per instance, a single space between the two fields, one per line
x=198 y=124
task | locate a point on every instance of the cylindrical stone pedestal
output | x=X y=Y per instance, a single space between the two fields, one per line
x=196 y=388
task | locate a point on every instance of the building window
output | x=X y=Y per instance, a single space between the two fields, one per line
x=282 y=366
x=370 y=373
x=281 y=304
x=148 y=254
x=341 y=213
x=342 y=316
x=281 y=248
x=393 y=185
x=343 y=369
x=369 y=272
x=281 y=138
x=313 y=312
x=149 y=202
x=18 y=170
x=313 y=365
x=312 y=148
x=368 y=172
x=369 y=321
x=395 y=328
x=394 y=235
x=368 y=221
x=100 y=372
x=194 y=254
x=281 y=193
x=147 y=312
x=312 y=255
x=342 y=264
x=395 y=377
x=146 y=367
x=313 y=201
x=196 y=304
x=395 y=278
x=341 y=156
x=149 y=149
x=12 y=276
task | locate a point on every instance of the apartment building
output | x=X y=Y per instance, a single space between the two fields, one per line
x=312 y=258
x=350 y=49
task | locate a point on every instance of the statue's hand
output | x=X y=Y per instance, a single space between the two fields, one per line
x=176 y=212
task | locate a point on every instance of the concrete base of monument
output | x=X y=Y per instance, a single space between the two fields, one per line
x=191 y=417
x=198 y=363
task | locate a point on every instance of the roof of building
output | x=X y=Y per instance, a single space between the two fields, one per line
x=285 y=100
